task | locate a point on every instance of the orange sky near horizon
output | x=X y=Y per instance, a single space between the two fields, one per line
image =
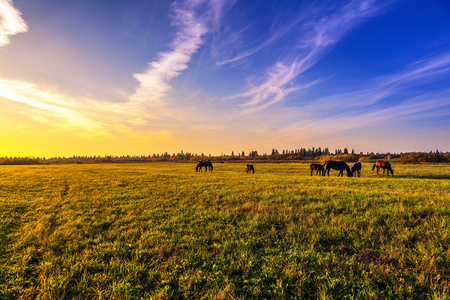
x=213 y=77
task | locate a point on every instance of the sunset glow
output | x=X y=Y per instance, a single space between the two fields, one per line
x=143 y=77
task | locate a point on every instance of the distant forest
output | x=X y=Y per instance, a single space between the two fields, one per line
x=302 y=154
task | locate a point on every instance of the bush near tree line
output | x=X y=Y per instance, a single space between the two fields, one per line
x=418 y=157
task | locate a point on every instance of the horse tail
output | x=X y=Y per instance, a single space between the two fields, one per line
x=373 y=168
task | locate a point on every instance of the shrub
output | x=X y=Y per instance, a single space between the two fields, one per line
x=418 y=157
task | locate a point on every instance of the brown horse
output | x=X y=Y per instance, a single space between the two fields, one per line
x=385 y=165
x=357 y=168
x=316 y=167
x=204 y=163
x=337 y=165
x=250 y=168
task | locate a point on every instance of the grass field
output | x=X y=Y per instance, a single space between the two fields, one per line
x=161 y=230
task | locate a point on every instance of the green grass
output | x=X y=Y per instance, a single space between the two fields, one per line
x=161 y=230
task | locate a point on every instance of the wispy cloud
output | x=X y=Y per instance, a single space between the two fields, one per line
x=317 y=32
x=352 y=129
x=11 y=22
x=89 y=119
x=168 y=107
x=192 y=20
x=428 y=68
x=49 y=107
x=370 y=109
x=236 y=45
x=416 y=74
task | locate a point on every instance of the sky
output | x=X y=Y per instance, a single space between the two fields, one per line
x=215 y=76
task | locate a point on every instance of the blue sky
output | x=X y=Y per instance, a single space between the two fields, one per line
x=138 y=77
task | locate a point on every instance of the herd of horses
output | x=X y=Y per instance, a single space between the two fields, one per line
x=324 y=169
x=321 y=170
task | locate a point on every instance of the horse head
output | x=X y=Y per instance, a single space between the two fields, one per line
x=347 y=168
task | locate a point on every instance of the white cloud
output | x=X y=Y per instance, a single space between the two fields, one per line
x=11 y=22
x=147 y=103
x=317 y=32
x=367 y=111
x=48 y=106
x=154 y=82
x=427 y=70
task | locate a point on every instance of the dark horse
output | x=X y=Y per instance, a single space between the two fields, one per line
x=204 y=163
x=357 y=168
x=385 y=165
x=317 y=167
x=337 y=165
x=250 y=168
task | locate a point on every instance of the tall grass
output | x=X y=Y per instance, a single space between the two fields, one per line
x=161 y=231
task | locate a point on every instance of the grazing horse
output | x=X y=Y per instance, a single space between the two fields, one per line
x=204 y=163
x=357 y=168
x=317 y=167
x=337 y=165
x=250 y=168
x=385 y=165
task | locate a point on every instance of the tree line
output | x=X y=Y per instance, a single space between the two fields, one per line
x=311 y=154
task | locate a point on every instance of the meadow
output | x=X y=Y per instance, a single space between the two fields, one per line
x=163 y=231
